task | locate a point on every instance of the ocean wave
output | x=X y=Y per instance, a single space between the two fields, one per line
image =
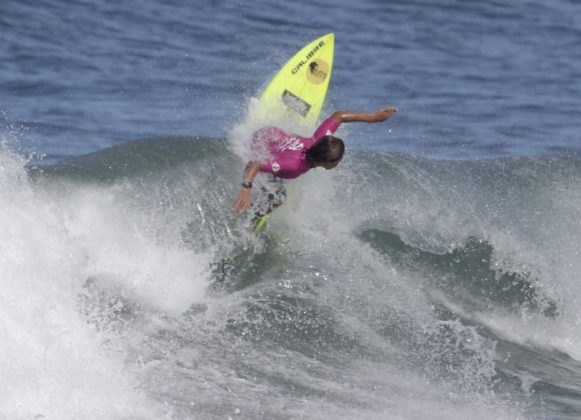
x=391 y=263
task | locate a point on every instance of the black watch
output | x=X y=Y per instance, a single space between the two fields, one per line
x=247 y=184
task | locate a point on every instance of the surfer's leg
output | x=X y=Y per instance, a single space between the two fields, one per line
x=277 y=196
x=271 y=196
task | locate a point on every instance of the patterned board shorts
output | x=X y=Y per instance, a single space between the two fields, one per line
x=271 y=195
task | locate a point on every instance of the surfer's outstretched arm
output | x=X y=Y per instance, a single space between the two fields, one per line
x=243 y=200
x=370 y=117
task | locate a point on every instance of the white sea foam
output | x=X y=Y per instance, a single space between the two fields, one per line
x=126 y=239
x=53 y=363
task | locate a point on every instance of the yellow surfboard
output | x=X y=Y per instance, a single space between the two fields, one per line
x=298 y=90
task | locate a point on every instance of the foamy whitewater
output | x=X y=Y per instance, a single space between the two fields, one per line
x=433 y=275
x=422 y=307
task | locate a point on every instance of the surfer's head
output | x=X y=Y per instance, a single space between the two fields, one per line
x=327 y=152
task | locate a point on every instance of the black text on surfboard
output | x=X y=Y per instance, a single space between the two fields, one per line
x=309 y=55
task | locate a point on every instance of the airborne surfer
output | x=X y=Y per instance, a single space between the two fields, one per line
x=286 y=156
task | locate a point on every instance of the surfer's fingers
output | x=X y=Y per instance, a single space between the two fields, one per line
x=240 y=204
x=385 y=113
x=242 y=209
x=237 y=204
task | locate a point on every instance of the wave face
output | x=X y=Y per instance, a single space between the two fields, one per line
x=392 y=287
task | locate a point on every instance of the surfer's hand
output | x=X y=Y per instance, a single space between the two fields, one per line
x=384 y=114
x=243 y=200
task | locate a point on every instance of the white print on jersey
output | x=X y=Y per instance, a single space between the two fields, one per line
x=290 y=143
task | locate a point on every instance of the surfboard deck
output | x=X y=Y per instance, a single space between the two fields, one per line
x=299 y=88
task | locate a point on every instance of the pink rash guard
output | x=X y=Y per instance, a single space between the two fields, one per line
x=286 y=153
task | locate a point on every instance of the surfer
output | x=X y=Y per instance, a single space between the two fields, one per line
x=287 y=156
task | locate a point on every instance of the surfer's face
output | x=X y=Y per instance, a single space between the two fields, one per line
x=329 y=165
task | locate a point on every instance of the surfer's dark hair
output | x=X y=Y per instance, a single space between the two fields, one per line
x=328 y=149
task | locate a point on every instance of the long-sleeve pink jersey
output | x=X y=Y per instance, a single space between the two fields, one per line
x=284 y=155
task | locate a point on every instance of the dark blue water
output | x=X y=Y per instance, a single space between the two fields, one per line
x=434 y=274
x=471 y=79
